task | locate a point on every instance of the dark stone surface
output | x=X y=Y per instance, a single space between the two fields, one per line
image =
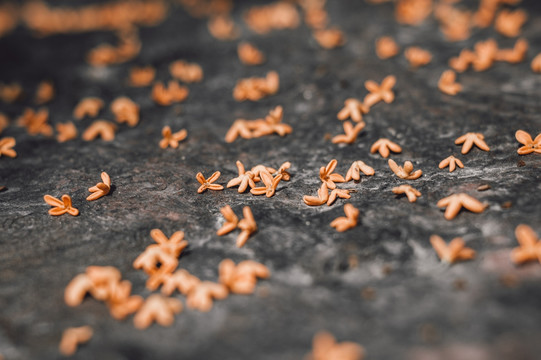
x=421 y=307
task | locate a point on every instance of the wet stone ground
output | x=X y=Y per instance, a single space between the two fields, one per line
x=379 y=284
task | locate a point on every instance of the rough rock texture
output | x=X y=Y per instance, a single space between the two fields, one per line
x=420 y=309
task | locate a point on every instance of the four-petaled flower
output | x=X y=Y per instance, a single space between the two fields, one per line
x=410 y=192
x=456 y=202
x=101 y=188
x=452 y=162
x=338 y=193
x=200 y=297
x=342 y=224
x=244 y=179
x=247 y=225
x=406 y=171
x=60 y=206
x=530 y=145
x=231 y=221
x=350 y=133
x=379 y=93
x=452 y=252
x=172 y=139
x=242 y=278
x=271 y=183
x=471 y=139
x=353 y=109
x=6 y=145
x=384 y=147
x=325 y=347
x=326 y=175
x=208 y=183
x=159 y=309
x=354 y=172
x=530 y=247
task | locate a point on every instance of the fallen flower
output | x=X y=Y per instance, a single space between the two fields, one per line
x=354 y=172
x=327 y=176
x=231 y=221
x=485 y=54
x=60 y=207
x=6 y=147
x=172 y=139
x=186 y=72
x=463 y=61
x=125 y=110
x=530 y=247
x=325 y=347
x=470 y=139
x=101 y=188
x=245 y=179
x=271 y=183
x=66 y=131
x=452 y=162
x=381 y=92
x=411 y=193
x=456 y=202
x=322 y=198
x=222 y=27
x=351 y=133
x=453 y=252
x=208 y=183
x=406 y=171
x=342 y=224
x=447 y=83
x=72 y=338
x=36 y=122
x=173 y=93
x=180 y=280
x=515 y=55
x=142 y=76
x=159 y=309
x=384 y=147
x=249 y=54
x=254 y=88
x=536 y=63
x=522 y=137
x=90 y=107
x=509 y=23
x=338 y=193
x=44 y=92
x=353 y=109
x=104 y=129
x=242 y=278
x=200 y=297
x=247 y=225
x=386 y=47
x=329 y=38
x=417 y=57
